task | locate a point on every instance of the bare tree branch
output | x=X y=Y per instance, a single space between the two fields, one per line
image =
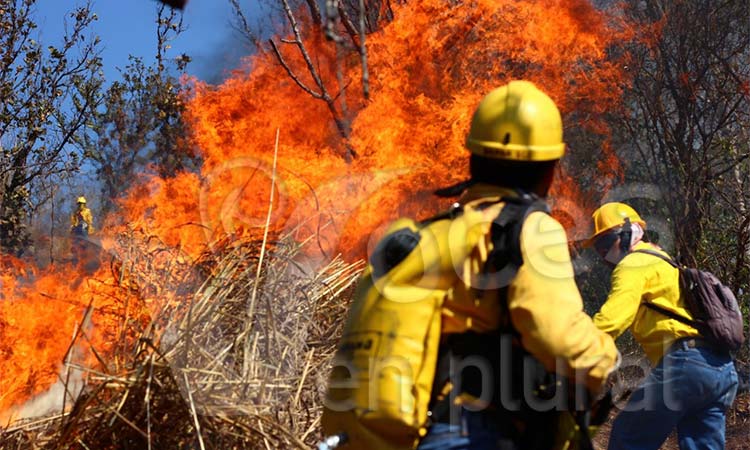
x=323 y=92
x=315 y=12
x=289 y=71
x=244 y=26
x=363 y=51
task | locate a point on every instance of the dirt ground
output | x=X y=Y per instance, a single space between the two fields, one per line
x=738 y=428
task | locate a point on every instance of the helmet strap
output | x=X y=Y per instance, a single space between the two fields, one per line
x=626 y=234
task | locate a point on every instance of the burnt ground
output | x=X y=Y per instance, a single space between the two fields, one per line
x=738 y=428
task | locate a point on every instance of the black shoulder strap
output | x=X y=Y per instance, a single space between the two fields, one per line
x=658 y=255
x=659 y=309
x=672 y=314
x=625 y=235
x=453 y=212
x=506 y=258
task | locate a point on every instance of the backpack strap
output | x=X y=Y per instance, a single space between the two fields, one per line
x=658 y=255
x=506 y=258
x=453 y=212
x=659 y=309
x=672 y=315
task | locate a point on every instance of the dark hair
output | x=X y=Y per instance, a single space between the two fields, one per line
x=531 y=176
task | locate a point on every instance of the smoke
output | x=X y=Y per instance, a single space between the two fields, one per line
x=217 y=65
x=231 y=40
x=52 y=401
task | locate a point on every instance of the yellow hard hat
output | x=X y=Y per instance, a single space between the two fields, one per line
x=81 y=200
x=610 y=216
x=517 y=122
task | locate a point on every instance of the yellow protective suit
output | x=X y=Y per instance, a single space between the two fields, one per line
x=82 y=215
x=642 y=278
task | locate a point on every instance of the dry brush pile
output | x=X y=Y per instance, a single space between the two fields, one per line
x=240 y=362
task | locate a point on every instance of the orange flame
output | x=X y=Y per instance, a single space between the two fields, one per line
x=428 y=69
x=40 y=314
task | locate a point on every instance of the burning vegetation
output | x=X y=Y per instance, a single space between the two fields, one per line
x=211 y=315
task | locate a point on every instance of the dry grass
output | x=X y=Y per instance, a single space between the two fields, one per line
x=234 y=365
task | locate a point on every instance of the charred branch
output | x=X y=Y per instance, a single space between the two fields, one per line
x=322 y=93
x=337 y=13
x=175 y=3
x=363 y=51
x=290 y=72
x=348 y=25
x=315 y=12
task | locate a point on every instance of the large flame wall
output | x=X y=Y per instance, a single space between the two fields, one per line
x=428 y=69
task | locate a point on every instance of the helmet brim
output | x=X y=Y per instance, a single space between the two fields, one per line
x=512 y=152
x=588 y=243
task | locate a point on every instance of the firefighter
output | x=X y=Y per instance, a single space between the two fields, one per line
x=515 y=140
x=81 y=227
x=692 y=383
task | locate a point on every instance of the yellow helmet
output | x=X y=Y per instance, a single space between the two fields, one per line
x=82 y=200
x=610 y=216
x=517 y=122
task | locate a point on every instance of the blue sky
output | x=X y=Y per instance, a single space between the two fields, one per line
x=128 y=27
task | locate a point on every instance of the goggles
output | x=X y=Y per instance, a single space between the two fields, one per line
x=603 y=243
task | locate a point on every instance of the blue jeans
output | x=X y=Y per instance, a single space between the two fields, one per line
x=477 y=431
x=690 y=389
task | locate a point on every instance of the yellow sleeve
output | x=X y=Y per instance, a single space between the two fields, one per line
x=618 y=312
x=547 y=311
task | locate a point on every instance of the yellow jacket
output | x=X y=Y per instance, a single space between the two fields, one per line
x=84 y=214
x=543 y=300
x=640 y=278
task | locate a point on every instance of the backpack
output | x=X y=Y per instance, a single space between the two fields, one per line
x=714 y=308
x=380 y=391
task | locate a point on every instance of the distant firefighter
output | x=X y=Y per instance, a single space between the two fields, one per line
x=81 y=222
x=81 y=227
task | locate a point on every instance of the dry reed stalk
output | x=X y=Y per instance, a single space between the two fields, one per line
x=147 y=400
x=253 y=297
x=192 y=410
x=69 y=351
x=256 y=393
x=153 y=397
